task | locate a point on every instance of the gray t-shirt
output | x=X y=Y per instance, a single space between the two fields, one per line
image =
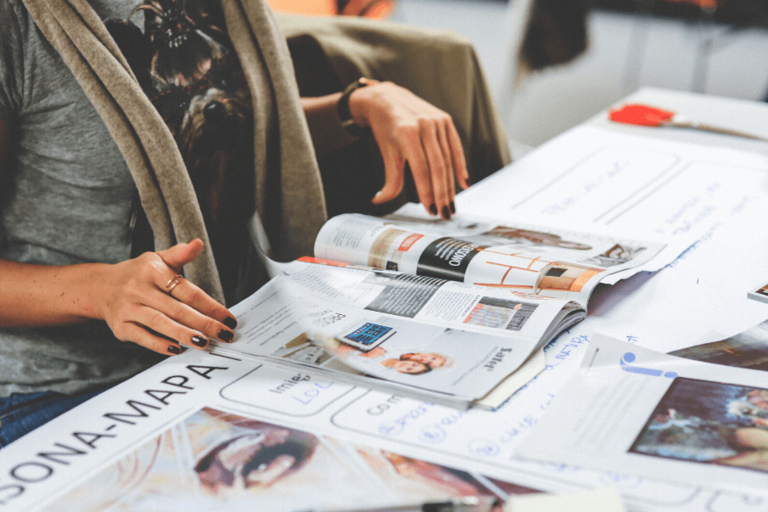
x=66 y=197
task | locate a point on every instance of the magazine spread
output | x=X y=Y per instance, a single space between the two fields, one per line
x=517 y=258
x=398 y=304
x=661 y=415
x=440 y=340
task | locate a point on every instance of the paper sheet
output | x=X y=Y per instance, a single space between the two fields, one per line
x=600 y=500
x=662 y=416
x=595 y=179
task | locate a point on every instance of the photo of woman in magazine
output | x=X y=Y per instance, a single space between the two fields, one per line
x=709 y=422
x=214 y=460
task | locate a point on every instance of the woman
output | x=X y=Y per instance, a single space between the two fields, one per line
x=69 y=286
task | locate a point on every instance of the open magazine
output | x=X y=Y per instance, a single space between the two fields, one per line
x=519 y=259
x=397 y=304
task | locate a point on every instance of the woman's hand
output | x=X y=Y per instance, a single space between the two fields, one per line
x=408 y=129
x=141 y=303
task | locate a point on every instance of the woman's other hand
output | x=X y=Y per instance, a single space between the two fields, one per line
x=408 y=129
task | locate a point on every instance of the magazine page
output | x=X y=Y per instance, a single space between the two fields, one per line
x=421 y=333
x=661 y=416
x=213 y=459
x=555 y=263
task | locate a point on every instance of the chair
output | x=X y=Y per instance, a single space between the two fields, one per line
x=375 y=9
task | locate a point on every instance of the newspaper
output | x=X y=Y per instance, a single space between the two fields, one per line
x=661 y=417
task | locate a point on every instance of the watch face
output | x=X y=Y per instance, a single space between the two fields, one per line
x=367 y=336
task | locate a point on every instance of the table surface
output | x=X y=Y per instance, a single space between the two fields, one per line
x=467 y=439
x=735 y=114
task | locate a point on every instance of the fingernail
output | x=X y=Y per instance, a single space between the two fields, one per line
x=174 y=349
x=230 y=322
x=433 y=209
x=199 y=341
x=453 y=208
x=226 y=335
x=446 y=213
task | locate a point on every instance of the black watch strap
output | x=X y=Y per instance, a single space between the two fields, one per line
x=345 y=115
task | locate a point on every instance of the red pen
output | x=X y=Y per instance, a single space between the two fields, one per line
x=644 y=115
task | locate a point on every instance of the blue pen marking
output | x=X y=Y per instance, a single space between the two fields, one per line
x=629 y=357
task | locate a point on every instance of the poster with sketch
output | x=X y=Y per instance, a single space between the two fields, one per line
x=214 y=459
x=709 y=422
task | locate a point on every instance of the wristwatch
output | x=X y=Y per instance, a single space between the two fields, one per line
x=347 y=121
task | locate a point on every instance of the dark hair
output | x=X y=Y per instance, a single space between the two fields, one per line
x=426 y=368
x=299 y=445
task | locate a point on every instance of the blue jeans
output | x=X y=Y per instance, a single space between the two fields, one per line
x=22 y=413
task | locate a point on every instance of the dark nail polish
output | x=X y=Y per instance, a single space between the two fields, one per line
x=199 y=341
x=230 y=322
x=453 y=208
x=446 y=213
x=226 y=335
x=469 y=182
x=433 y=209
x=174 y=349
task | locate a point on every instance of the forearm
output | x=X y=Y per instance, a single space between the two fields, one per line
x=39 y=295
x=324 y=124
x=406 y=129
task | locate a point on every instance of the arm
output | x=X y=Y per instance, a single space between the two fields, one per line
x=130 y=296
x=407 y=129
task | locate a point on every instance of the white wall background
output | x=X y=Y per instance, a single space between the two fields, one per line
x=625 y=53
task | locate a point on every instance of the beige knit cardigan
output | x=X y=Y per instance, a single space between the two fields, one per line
x=289 y=195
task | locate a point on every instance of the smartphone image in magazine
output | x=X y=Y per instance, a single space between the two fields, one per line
x=367 y=336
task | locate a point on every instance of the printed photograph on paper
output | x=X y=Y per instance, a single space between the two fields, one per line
x=410 y=353
x=709 y=422
x=528 y=237
x=616 y=255
x=500 y=313
x=213 y=458
x=748 y=349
